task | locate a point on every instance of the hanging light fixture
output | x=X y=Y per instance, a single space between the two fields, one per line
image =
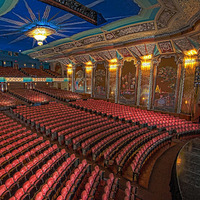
x=40 y=33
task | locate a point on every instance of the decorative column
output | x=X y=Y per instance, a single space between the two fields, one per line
x=107 y=81
x=180 y=85
x=85 y=82
x=92 y=81
x=139 y=82
x=151 y=84
x=118 y=72
x=155 y=66
x=73 y=78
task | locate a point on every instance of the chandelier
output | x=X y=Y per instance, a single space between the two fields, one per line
x=40 y=33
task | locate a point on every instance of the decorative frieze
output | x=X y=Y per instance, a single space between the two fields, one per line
x=148 y=26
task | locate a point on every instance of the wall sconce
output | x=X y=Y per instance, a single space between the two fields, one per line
x=190 y=62
x=146 y=63
x=191 y=52
x=8 y=84
x=69 y=69
x=88 y=67
x=113 y=64
x=190 y=59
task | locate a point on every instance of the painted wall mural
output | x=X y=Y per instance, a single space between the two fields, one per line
x=166 y=85
x=128 y=83
x=79 y=79
x=112 y=84
x=58 y=68
x=88 y=79
x=144 y=94
x=188 y=90
x=100 y=81
x=69 y=85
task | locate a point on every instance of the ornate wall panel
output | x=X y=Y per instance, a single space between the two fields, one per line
x=166 y=47
x=144 y=88
x=166 y=79
x=128 y=83
x=124 y=52
x=100 y=81
x=88 y=81
x=69 y=85
x=79 y=79
x=188 y=91
x=112 y=84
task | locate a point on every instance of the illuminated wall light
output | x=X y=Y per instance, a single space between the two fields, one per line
x=113 y=64
x=69 y=71
x=88 y=67
x=186 y=102
x=146 y=57
x=114 y=60
x=146 y=65
x=143 y=98
x=112 y=67
x=4 y=62
x=191 y=52
x=70 y=65
x=24 y=65
x=190 y=62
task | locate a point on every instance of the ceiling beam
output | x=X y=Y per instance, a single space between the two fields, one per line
x=78 y=9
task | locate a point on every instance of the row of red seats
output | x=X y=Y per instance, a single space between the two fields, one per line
x=52 y=73
x=36 y=72
x=92 y=133
x=137 y=115
x=11 y=72
x=32 y=168
x=111 y=187
x=130 y=191
x=30 y=96
x=8 y=100
x=143 y=154
x=63 y=95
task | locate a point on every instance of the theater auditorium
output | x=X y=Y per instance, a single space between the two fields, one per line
x=99 y=99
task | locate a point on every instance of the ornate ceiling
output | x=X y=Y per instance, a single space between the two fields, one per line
x=161 y=27
x=27 y=13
